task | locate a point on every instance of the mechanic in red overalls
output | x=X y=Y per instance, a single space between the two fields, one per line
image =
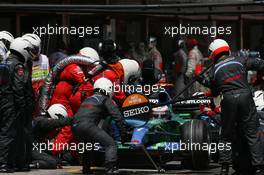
x=71 y=77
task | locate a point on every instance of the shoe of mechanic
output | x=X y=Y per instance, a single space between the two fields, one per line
x=259 y=170
x=224 y=169
x=24 y=168
x=112 y=171
x=34 y=165
x=6 y=169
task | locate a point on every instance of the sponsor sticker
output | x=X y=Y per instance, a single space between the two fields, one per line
x=136 y=106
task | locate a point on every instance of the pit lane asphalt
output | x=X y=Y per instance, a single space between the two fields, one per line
x=76 y=170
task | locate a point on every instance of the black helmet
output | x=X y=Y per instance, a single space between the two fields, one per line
x=107 y=50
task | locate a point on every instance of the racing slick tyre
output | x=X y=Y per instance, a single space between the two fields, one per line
x=195 y=134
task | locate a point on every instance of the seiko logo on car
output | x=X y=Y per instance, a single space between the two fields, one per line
x=136 y=111
x=136 y=106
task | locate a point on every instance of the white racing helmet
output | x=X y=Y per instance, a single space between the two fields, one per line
x=34 y=40
x=152 y=39
x=131 y=69
x=3 y=49
x=57 y=110
x=180 y=43
x=24 y=48
x=89 y=52
x=7 y=38
x=104 y=85
x=259 y=100
x=217 y=47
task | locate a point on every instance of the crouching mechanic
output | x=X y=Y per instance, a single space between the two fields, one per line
x=228 y=77
x=92 y=111
x=44 y=128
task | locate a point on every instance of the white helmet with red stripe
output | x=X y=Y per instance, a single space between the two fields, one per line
x=218 y=46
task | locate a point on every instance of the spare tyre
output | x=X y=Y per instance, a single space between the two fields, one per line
x=195 y=134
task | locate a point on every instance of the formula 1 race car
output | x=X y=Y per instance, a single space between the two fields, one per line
x=161 y=134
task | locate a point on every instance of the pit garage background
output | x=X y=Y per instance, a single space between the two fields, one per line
x=129 y=21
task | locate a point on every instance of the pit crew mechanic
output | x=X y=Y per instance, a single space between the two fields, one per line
x=154 y=54
x=180 y=66
x=44 y=126
x=15 y=96
x=40 y=64
x=92 y=111
x=228 y=77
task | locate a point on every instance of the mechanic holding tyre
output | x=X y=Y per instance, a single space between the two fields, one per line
x=228 y=77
